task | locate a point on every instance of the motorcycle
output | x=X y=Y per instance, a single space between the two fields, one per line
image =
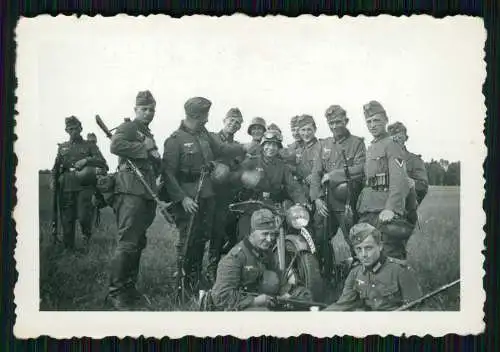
x=295 y=249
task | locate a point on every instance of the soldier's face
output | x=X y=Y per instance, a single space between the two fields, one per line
x=257 y=132
x=263 y=239
x=368 y=251
x=307 y=132
x=376 y=124
x=295 y=134
x=145 y=113
x=92 y=139
x=232 y=125
x=270 y=149
x=74 y=131
x=338 y=125
x=400 y=138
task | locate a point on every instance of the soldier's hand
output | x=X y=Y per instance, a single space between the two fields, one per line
x=155 y=154
x=308 y=179
x=149 y=143
x=326 y=178
x=321 y=207
x=262 y=300
x=386 y=215
x=189 y=205
x=411 y=182
x=80 y=164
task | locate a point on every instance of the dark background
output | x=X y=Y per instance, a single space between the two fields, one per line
x=10 y=12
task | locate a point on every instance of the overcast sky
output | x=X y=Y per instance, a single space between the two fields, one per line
x=427 y=73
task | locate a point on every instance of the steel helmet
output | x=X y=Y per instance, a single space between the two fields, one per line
x=397 y=228
x=220 y=172
x=272 y=136
x=87 y=176
x=257 y=121
x=340 y=192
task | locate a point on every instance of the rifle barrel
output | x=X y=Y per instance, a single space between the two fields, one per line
x=426 y=296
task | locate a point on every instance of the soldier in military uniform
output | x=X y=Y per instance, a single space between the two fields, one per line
x=224 y=222
x=376 y=282
x=328 y=171
x=267 y=177
x=97 y=199
x=382 y=202
x=134 y=207
x=415 y=166
x=74 y=171
x=256 y=131
x=247 y=276
x=186 y=152
x=92 y=138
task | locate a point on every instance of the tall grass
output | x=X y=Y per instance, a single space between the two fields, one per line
x=79 y=281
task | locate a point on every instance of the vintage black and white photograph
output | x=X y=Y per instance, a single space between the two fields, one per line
x=302 y=167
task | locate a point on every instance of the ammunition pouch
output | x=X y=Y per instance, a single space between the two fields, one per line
x=379 y=182
x=106 y=186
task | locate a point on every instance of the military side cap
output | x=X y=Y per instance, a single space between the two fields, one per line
x=304 y=120
x=293 y=121
x=263 y=219
x=273 y=127
x=235 y=113
x=334 y=111
x=257 y=121
x=72 y=121
x=361 y=231
x=396 y=127
x=373 y=108
x=269 y=283
x=145 y=98
x=197 y=107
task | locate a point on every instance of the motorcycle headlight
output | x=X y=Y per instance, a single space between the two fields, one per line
x=297 y=217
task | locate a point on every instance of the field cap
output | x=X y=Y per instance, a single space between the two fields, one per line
x=293 y=121
x=144 y=98
x=361 y=231
x=396 y=127
x=304 y=120
x=274 y=127
x=334 y=112
x=234 y=113
x=373 y=108
x=72 y=121
x=197 y=107
x=263 y=219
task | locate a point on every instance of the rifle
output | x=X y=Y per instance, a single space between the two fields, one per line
x=55 y=206
x=181 y=274
x=161 y=206
x=296 y=302
x=426 y=296
x=348 y=212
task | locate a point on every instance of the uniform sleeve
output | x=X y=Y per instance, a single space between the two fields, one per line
x=357 y=169
x=96 y=158
x=398 y=178
x=408 y=284
x=293 y=188
x=224 y=150
x=226 y=292
x=349 y=300
x=419 y=174
x=124 y=142
x=171 y=155
x=57 y=165
x=316 y=174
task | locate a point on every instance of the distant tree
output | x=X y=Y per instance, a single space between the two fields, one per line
x=435 y=172
x=452 y=177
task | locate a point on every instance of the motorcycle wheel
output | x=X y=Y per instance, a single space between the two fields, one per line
x=305 y=270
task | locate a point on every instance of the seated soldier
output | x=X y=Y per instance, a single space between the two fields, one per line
x=247 y=276
x=378 y=282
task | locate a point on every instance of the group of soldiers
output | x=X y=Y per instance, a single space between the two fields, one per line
x=387 y=184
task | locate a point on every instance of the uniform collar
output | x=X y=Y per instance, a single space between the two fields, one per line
x=186 y=129
x=78 y=139
x=310 y=143
x=255 y=251
x=342 y=138
x=382 y=136
x=226 y=137
x=296 y=144
x=378 y=264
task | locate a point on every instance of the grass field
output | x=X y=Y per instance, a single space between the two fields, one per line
x=79 y=282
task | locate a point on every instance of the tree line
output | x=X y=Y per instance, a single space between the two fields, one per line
x=440 y=172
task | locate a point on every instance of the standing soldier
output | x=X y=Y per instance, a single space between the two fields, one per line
x=256 y=131
x=328 y=171
x=224 y=221
x=415 y=166
x=186 y=152
x=294 y=150
x=74 y=172
x=134 y=207
x=382 y=200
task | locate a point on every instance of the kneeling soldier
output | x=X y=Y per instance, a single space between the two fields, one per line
x=247 y=276
x=378 y=282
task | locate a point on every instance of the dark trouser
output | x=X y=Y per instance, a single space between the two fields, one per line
x=223 y=219
x=202 y=228
x=76 y=205
x=323 y=236
x=393 y=247
x=134 y=215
